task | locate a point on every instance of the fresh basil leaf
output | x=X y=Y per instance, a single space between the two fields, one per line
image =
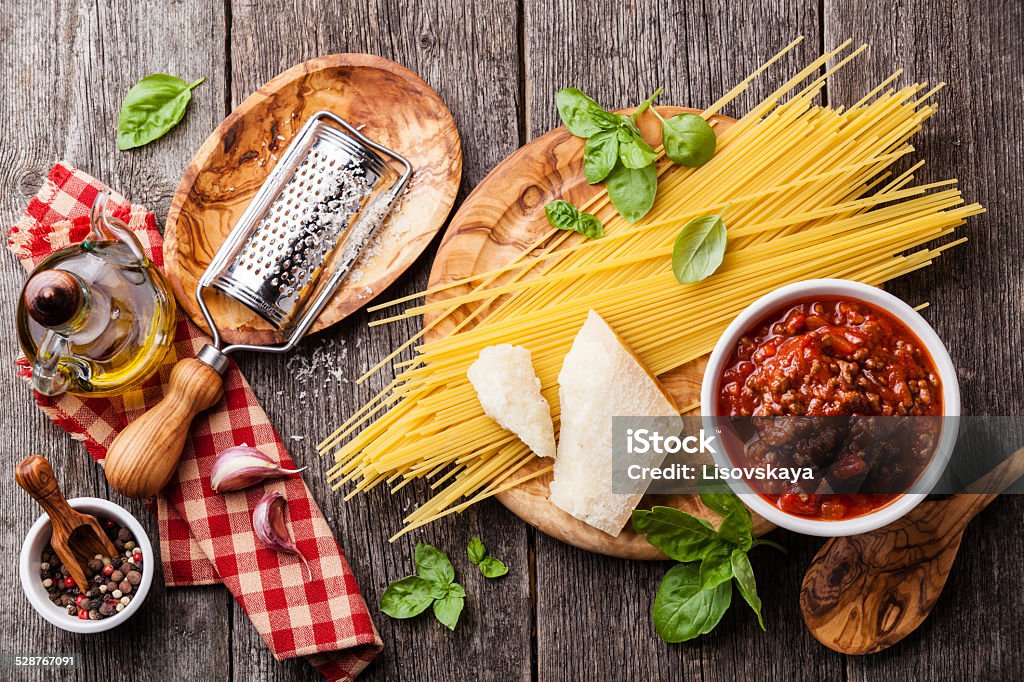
x=737 y=526
x=688 y=139
x=476 y=550
x=407 y=597
x=448 y=609
x=453 y=590
x=632 y=190
x=679 y=535
x=433 y=564
x=743 y=572
x=634 y=152
x=682 y=610
x=562 y=214
x=153 y=106
x=716 y=567
x=492 y=568
x=589 y=226
x=626 y=122
x=565 y=216
x=599 y=155
x=699 y=249
x=581 y=115
x=646 y=104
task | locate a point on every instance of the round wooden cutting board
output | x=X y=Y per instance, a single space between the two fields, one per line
x=504 y=215
x=395 y=108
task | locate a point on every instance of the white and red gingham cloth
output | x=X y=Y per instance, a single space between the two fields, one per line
x=205 y=537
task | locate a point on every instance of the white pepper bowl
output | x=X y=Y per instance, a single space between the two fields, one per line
x=882 y=300
x=31 y=551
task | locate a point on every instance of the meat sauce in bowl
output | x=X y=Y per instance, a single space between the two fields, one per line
x=812 y=361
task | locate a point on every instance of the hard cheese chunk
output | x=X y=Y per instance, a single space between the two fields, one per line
x=509 y=391
x=601 y=378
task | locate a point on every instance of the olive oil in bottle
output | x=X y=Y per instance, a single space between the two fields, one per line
x=96 y=318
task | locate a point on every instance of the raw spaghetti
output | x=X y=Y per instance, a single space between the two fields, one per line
x=809 y=193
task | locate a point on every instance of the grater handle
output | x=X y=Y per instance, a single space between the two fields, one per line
x=145 y=455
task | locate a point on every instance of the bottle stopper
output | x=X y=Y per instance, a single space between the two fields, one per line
x=53 y=297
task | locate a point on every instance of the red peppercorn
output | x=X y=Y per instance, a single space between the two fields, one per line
x=69 y=581
x=83 y=614
x=137 y=556
x=109 y=523
x=78 y=599
x=108 y=569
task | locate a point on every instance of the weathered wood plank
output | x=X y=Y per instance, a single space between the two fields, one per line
x=467 y=52
x=975 y=291
x=66 y=67
x=593 y=613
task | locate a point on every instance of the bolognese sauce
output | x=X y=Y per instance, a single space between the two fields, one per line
x=822 y=358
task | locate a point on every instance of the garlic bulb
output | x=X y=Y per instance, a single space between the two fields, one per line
x=270 y=527
x=241 y=466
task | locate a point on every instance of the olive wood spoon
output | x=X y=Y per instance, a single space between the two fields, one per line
x=77 y=537
x=866 y=592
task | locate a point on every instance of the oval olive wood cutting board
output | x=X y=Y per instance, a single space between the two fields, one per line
x=503 y=216
x=395 y=108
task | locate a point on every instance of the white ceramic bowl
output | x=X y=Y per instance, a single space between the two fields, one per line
x=879 y=299
x=32 y=549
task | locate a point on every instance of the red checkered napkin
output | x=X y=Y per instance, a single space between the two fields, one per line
x=205 y=537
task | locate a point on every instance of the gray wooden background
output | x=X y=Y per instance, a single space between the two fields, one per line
x=560 y=614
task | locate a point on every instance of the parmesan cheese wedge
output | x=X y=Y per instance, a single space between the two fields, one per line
x=602 y=378
x=509 y=391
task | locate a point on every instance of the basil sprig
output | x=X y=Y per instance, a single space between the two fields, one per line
x=699 y=249
x=488 y=565
x=565 y=216
x=152 y=107
x=696 y=593
x=433 y=585
x=617 y=154
x=687 y=138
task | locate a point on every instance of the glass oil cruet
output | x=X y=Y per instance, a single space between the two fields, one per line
x=95 y=318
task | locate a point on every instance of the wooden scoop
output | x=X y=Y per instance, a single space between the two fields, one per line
x=866 y=592
x=77 y=537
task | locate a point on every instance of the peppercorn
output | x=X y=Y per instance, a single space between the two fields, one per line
x=134 y=577
x=111 y=587
x=83 y=614
x=126 y=600
x=117 y=576
x=49 y=583
x=94 y=614
x=109 y=523
x=125 y=587
x=120 y=608
x=124 y=535
x=65 y=600
x=69 y=581
x=116 y=594
x=95 y=564
x=45 y=566
x=108 y=609
x=130 y=545
x=93 y=592
x=71 y=609
x=119 y=545
x=108 y=569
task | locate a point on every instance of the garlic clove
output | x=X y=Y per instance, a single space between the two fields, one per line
x=272 y=530
x=242 y=466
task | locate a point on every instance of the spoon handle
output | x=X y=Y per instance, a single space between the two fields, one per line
x=968 y=504
x=35 y=475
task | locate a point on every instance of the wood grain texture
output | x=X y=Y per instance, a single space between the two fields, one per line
x=467 y=52
x=145 y=454
x=865 y=593
x=497 y=64
x=66 y=66
x=391 y=105
x=618 y=56
x=501 y=218
x=976 y=136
